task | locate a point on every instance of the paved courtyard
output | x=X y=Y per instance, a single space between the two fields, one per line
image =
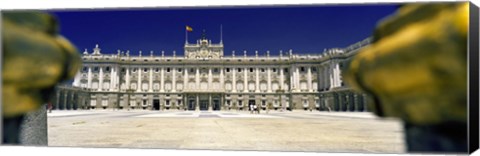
x=227 y=130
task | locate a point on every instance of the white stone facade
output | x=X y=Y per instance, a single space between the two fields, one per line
x=207 y=79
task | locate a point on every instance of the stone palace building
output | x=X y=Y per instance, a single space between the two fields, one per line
x=206 y=78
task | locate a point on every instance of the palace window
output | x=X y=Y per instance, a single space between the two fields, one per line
x=95 y=69
x=167 y=102
x=215 y=70
x=145 y=70
x=264 y=102
x=302 y=69
x=156 y=70
x=107 y=69
x=239 y=69
x=167 y=95
x=134 y=70
x=168 y=70
x=191 y=70
x=285 y=70
x=179 y=102
x=263 y=70
x=314 y=69
x=179 y=70
x=251 y=70
x=85 y=69
x=227 y=69
x=274 y=70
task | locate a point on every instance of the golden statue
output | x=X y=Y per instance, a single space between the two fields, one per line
x=416 y=70
x=35 y=58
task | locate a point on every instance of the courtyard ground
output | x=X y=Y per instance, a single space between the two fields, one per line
x=227 y=130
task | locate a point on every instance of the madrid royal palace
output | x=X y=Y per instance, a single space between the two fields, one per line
x=206 y=78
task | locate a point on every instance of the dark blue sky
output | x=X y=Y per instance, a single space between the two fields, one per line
x=305 y=29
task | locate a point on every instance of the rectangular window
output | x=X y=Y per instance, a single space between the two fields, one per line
x=228 y=70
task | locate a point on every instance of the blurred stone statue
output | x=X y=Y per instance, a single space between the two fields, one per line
x=35 y=58
x=416 y=70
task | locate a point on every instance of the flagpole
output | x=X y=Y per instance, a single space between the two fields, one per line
x=186 y=35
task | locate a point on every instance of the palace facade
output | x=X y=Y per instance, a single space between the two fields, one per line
x=204 y=78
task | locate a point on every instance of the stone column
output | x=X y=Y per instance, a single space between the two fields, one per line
x=356 y=102
x=197 y=79
x=309 y=79
x=174 y=79
x=139 y=80
x=89 y=77
x=127 y=79
x=112 y=79
x=65 y=100
x=321 y=78
x=162 y=80
x=292 y=85
x=117 y=82
x=100 y=83
x=245 y=80
x=150 y=80
x=197 y=103
x=222 y=79
x=234 y=80
x=209 y=102
x=269 y=80
x=327 y=77
x=185 y=79
x=209 y=77
x=257 y=81
x=297 y=79
x=282 y=79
